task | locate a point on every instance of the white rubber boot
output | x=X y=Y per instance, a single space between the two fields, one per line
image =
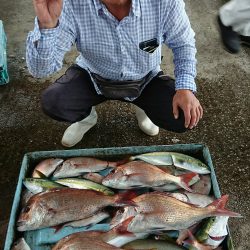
x=145 y=124
x=75 y=132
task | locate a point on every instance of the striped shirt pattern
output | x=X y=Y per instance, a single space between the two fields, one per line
x=110 y=48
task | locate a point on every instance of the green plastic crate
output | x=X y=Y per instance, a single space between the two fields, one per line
x=4 y=77
x=40 y=239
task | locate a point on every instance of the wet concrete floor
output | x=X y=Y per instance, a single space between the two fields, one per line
x=223 y=88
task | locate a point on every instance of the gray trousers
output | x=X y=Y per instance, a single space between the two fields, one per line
x=236 y=13
x=73 y=95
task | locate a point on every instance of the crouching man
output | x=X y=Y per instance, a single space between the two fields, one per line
x=119 y=42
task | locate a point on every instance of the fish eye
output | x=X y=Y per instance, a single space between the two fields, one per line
x=26 y=209
x=112 y=171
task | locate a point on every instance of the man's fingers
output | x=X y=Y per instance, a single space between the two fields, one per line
x=193 y=118
x=175 y=110
x=198 y=116
x=187 y=116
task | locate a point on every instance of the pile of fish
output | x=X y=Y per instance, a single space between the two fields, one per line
x=159 y=200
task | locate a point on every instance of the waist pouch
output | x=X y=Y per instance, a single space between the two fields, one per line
x=119 y=89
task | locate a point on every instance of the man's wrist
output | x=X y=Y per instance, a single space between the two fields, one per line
x=51 y=25
x=185 y=91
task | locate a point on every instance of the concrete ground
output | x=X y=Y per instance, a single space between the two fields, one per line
x=223 y=88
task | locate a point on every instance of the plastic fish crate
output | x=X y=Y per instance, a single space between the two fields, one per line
x=43 y=238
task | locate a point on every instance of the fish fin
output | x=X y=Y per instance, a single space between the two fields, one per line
x=122 y=228
x=40 y=174
x=125 y=198
x=185 y=179
x=219 y=208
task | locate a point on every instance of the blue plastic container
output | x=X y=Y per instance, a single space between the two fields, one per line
x=41 y=239
x=4 y=77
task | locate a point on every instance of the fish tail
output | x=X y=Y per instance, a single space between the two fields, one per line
x=221 y=202
x=185 y=179
x=218 y=207
x=125 y=199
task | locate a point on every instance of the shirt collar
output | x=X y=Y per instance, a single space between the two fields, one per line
x=136 y=10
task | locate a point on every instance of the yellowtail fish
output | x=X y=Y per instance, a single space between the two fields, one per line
x=84 y=184
x=58 y=206
x=213 y=231
x=37 y=185
x=172 y=158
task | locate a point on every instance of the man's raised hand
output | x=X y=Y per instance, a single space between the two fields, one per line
x=48 y=12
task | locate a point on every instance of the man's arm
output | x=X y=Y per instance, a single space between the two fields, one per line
x=179 y=36
x=51 y=38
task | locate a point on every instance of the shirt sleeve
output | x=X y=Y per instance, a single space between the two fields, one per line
x=45 y=48
x=179 y=36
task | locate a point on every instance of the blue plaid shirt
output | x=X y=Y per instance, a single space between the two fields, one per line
x=110 y=48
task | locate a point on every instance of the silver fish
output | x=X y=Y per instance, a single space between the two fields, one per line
x=203 y=186
x=79 y=165
x=172 y=158
x=47 y=167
